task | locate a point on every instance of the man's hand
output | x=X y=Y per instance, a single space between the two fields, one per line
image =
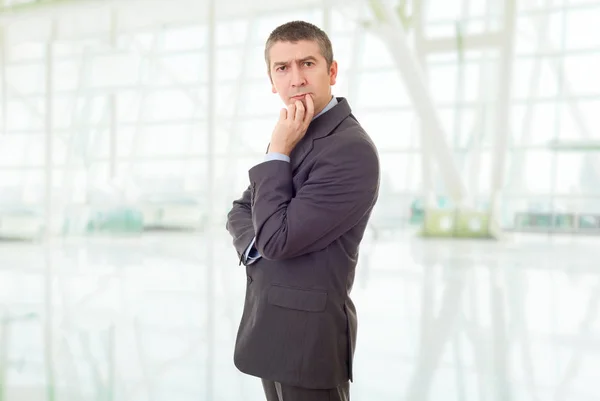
x=292 y=125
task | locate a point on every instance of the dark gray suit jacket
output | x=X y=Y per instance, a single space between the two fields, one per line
x=299 y=324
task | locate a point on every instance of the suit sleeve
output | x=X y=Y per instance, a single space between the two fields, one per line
x=239 y=223
x=341 y=188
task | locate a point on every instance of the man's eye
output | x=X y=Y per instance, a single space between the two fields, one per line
x=309 y=63
x=280 y=68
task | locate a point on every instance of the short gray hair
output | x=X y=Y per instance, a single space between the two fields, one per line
x=296 y=31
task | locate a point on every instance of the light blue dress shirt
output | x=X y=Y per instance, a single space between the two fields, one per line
x=252 y=255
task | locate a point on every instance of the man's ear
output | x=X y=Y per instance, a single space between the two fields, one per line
x=273 y=89
x=333 y=70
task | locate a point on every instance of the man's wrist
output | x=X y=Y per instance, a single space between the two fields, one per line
x=279 y=149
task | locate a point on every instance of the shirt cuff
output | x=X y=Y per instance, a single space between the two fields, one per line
x=251 y=255
x=277 y=156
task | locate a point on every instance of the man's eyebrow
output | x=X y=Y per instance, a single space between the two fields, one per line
x=309 y=58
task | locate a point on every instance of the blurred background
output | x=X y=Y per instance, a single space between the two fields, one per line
x=127 y=128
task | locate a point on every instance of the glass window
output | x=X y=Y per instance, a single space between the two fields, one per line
x=393 y=130
x=580 y=73
x=583 y=28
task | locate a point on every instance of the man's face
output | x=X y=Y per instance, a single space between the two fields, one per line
x=298 y=68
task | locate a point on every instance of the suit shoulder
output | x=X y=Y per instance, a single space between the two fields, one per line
x=351 y=133
x=349 y=141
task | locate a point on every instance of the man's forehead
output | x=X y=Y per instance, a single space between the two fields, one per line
x=294 y=51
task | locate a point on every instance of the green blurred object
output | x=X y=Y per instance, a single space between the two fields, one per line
x=472 y=224
x=21 y=223
x=417 y=212
x=575 y=145
x=564 y=221
x=438 y=223
x=115 y=221
x=572 y=223
x=589 y=222
x=378 y=11
x=545 y=221
x=417 y=209
x=541 y=220
x=456 y=223
x=533 y=220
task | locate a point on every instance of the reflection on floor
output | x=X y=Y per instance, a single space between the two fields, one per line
x=152 y=318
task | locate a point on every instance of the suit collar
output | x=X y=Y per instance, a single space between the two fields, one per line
x=319 y=128
x=325 y=123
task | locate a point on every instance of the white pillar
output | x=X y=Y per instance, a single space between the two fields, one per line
x=210 y=205
x=49 y=324
x=4 y=343
x=3 y=82
x=326 y=17
x=352 y=80
x=48 y=166
x=48 y=126
x=112 y=104
x=503 y=111
x=429 y=200
x=474 y=165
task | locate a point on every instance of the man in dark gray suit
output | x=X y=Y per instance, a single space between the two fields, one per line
x=298 y=226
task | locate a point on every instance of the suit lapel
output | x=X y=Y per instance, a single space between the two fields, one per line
x=320 y=128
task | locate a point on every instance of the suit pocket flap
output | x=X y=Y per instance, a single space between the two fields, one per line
x=300 y=299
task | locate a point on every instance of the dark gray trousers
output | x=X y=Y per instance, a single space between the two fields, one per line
x=276 y=391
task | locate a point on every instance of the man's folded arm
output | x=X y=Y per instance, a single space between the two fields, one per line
x=340 y=189
x=239 y=223
x=239 y=219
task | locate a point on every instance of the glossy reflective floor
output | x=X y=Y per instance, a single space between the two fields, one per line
x=152 y=318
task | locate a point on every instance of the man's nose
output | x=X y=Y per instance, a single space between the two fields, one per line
x=297 y=77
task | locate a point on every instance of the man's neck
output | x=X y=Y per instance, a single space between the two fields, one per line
x=325 y=108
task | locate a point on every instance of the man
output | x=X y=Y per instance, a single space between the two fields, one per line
x=298 y=226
